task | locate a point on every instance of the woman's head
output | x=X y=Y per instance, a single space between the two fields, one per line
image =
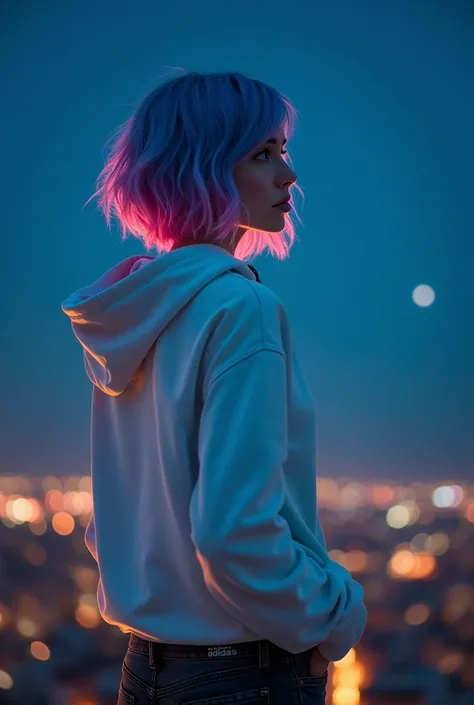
x=192 y=165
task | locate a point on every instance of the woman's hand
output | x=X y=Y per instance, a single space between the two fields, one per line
x=318 y=665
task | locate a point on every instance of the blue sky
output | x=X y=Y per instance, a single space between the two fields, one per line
x=383 y=149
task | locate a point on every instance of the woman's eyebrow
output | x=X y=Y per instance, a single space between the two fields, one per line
x=273 y=140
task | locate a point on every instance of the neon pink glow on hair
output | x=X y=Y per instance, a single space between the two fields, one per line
x=169 y=174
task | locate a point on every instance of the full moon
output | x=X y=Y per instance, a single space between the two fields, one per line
x=423 y=295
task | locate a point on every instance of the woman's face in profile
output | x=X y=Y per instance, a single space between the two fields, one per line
x=263 y=179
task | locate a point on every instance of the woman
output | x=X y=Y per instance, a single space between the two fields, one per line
x=205 y=526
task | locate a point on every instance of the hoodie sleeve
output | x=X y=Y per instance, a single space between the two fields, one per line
x=251 y=564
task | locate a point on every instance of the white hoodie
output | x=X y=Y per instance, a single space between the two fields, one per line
x=205 y=526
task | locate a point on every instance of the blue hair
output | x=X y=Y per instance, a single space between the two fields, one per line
x=169 y=175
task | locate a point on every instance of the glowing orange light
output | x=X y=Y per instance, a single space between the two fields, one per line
x=417 y=614
x=356 y=561
x=469 y=513
x=426 y=565
x=26 y=627
x=451 y=662
x=40 y=651
x=87 y=616
x=382 y=495
x=6 y=681
x=63 y=523
x=401 y=563
x=54 y=500
x=347 y=660
x=409 y=565
x=351 y=677
x=346 y=696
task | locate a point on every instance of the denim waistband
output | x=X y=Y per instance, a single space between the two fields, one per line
x=264 y=650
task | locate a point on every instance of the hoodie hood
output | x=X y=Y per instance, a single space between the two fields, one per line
x=119 y=317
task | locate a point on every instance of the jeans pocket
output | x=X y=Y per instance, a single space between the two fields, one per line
x=124 y=697
x=313 y=690
x=133 y=689
x=302 y=667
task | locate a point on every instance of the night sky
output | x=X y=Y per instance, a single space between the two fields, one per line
x=383 y=149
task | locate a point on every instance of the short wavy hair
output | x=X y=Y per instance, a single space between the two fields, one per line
x=169 y=175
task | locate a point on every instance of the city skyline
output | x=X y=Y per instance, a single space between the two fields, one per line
x=406 y=544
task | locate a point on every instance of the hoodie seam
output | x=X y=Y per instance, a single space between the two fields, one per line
x=261 y=347
x=208 y=348
x=244 y=357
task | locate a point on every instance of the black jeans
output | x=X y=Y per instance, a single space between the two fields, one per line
x=250 y=673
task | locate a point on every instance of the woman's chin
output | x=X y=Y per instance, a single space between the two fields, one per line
x=270 y=227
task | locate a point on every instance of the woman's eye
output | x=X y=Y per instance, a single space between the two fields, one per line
x=267 y=152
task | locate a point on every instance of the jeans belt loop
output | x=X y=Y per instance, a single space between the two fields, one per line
x=154 y=655
x=263 y=654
